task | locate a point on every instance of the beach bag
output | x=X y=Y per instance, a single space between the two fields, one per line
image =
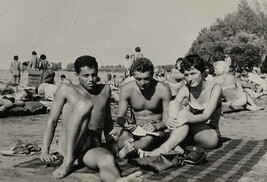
x=160 y=162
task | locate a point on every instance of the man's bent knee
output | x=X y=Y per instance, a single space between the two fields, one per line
x=105 y=160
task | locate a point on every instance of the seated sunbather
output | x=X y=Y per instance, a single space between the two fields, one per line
x=232 y=91
x=48 y=90
x=9 y=101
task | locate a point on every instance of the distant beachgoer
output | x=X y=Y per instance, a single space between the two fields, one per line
x=44 y=65
x=176 y=80
x=149 y=101
x=34 y=62
x=209 y=72
x=195 y=112
x=48 y=90
x=157 y=76
x=127 y=65
x=228 y=62
x=15 y=69
x=18 y=98
x=137 y=54
x=232 y=90
x=85 y=110
x=64 y=79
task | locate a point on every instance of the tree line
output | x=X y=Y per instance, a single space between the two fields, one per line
x=241 y=34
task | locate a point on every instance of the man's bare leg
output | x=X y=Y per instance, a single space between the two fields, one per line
x=77 y=124
x=101 y=159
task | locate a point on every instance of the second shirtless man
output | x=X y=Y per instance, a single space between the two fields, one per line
x=148 y=100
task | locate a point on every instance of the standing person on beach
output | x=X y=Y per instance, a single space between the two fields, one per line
x=15 y=69
x=44 y=64
x=34 y=62
x=85 y=114
x=127 y=65
x=228 y=62
x=137 y=54
x=149 y=101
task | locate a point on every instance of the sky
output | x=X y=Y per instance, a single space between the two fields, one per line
x=106 y=29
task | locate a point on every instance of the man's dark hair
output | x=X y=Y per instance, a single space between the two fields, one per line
x=142 y=65
x=193 y=60
x=83 y=61
x=43 y=57
x=16 y=57
x=137 y=49
x=34 y=53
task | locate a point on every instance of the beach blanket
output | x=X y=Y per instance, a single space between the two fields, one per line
x=228 y=163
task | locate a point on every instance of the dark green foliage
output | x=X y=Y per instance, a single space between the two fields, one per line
x=242 y=34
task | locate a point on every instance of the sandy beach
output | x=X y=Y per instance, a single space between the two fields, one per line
x=245 y=125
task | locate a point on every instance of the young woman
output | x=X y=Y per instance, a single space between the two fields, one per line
x=195 y=112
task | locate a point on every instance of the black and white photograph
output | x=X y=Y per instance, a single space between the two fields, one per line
x=133 y=90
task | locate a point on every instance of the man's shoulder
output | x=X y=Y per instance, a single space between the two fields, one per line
x=67 y=86
x=128 y=88
x=161 y=85
x=128 y=85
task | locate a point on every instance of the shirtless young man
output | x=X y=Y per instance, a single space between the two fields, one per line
x=85 y=114
x=149 y=101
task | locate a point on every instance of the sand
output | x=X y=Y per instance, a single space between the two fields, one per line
x=237 y=125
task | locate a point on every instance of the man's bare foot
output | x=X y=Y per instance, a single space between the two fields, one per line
x=128 y=147
x=135 y=177
x=113 y=136
x=61 y=172
x=179 y=149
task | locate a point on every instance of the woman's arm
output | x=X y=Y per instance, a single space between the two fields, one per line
x=215 y=98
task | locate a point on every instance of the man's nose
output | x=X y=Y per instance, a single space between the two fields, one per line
x=90 y=78
x=143 y=82
x=190 y=77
